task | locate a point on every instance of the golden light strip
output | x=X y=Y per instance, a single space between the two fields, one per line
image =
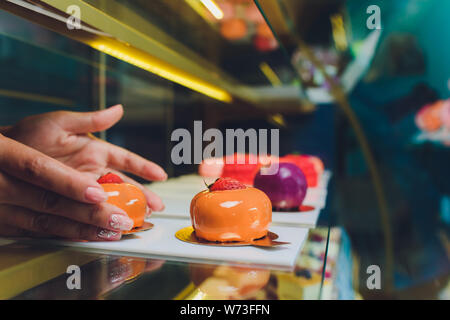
x=278 y=119
x=171 y=74
x=200 y=9
x=213 y=8
x=185 y=292
x=339 y=35
x=270 y=74
x=36 y=98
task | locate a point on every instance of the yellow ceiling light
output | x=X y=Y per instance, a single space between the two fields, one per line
x=213 y=8
x=163 y=70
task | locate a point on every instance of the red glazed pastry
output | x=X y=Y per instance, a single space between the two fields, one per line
x=230 y=211
x=245 y=172
x=125 y=196
x=318 y=164
x=306 y=165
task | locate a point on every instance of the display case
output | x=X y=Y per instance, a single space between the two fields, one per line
x=330 y=84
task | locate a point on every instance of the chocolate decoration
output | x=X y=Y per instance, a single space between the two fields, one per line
x=146 y=226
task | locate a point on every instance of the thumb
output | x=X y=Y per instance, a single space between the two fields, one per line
x=85 y=122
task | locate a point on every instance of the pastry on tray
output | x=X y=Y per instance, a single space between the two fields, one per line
x=125 y=196
x=242 y=167
x=239 y=166
x=230 y=211
x=311 y=166
x=286 y=188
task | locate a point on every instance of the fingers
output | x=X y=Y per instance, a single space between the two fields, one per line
x=42 y=223
x=102 y=215
x=85 y=122
x=124 y=160
x=10 y=231
x=38 y=169
x=4 y=130
x=153 y=200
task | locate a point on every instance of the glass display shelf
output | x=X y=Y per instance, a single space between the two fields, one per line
x=40 y=272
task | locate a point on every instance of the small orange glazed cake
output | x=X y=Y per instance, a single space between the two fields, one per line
x=230 y=211
x=125 y=196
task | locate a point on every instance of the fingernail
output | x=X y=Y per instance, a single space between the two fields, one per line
x=95 y=194
x=120 y=222
x=156 y=207
x=160 y=209
x=108 y=234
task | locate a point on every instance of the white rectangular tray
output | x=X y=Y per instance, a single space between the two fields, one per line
x=160 y=242
x=177 y=194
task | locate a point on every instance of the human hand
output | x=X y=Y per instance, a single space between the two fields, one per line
x=65 y=136
x=40 y=196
